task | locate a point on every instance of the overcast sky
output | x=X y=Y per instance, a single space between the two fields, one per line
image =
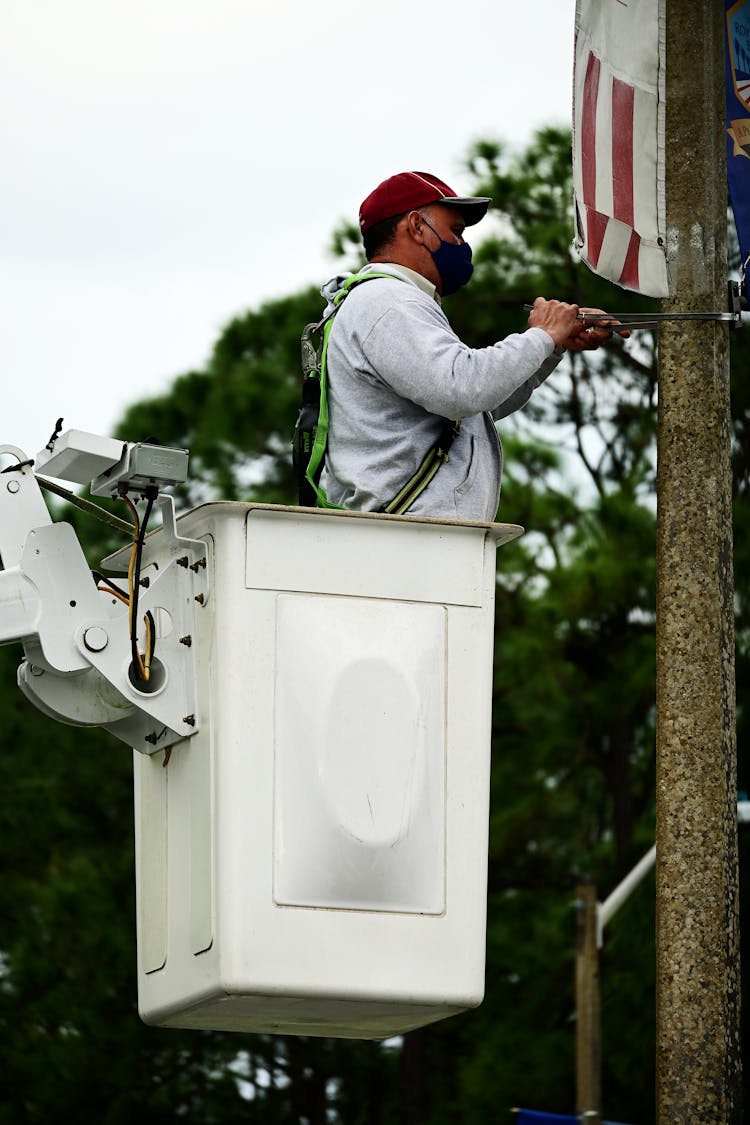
x=168 y=164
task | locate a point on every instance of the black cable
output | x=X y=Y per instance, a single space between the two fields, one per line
x=99 y=577
x=17 y=466
x=151 y=493
x=152 y=635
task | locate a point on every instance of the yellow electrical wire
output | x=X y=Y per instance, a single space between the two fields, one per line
x=143 y=669
x=147 y=621
x=144 y=660
x=115 y=593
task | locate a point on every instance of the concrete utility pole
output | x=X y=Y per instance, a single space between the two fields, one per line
x=698 y=986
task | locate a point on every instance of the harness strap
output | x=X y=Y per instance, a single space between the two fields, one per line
x=315 y=464
x=435 y=457
x=426 y=471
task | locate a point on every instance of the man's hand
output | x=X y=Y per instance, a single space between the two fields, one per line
x=562 y=322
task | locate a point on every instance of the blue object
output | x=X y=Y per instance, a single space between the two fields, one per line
x=538 y=1117
x=535 y=1117
x=737 y=74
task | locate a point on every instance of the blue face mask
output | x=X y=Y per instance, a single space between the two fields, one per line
x=453 y=262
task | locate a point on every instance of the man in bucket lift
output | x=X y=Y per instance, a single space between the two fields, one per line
x=399 y=381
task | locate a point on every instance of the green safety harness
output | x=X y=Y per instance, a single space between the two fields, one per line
x=311 y=430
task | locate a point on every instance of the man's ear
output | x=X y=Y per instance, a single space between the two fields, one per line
x=415 y=226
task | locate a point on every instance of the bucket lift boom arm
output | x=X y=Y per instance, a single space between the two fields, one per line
x=76 y=636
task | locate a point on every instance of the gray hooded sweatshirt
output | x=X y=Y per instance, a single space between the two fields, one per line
x=396 y=370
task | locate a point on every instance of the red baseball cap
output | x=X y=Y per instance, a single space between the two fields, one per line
x=408 y=191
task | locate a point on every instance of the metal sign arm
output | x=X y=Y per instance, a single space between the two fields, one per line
x=631 y=320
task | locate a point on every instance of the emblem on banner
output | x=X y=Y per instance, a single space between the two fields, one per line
x=738 y=43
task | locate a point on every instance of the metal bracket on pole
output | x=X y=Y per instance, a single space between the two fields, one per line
x=605 y=910
x=631 y=320
x=653 y=320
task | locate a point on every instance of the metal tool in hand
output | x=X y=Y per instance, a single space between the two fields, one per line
x=646 y=320
x=653 y=320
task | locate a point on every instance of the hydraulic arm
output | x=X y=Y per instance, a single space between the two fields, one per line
x=87 y=661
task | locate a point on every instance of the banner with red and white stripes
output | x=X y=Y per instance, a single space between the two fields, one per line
x=618 y=142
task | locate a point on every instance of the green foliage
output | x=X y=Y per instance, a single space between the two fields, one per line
x=237 y=416
x=573 y=741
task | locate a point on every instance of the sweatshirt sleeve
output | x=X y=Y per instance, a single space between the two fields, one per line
x=413 y=349
x=520 y=397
